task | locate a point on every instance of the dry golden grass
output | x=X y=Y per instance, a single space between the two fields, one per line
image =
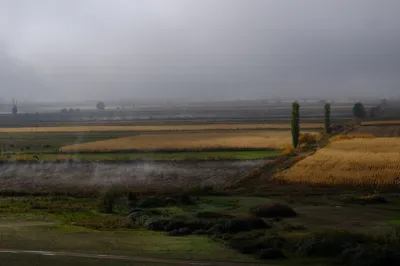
x=374 y=161
x=187 y=141
x=352 y=136
x=155 y=127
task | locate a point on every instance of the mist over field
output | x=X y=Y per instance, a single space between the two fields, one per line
x=209 y=49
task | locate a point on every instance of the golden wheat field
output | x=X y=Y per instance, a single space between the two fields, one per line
x=154 y=128
x=195 y=140
x=350 y=162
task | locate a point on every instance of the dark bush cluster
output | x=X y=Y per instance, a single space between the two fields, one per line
x=253 y=243
x=235 y=225
x=152 y=220
x=213 y=215
x=273 y=211
x=156 y=202
x=349 y=248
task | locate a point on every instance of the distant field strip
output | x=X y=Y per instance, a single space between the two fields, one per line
x=161 y=156
x=155 y=128
x=185 y=141
x=354 y=162
x=381 y=122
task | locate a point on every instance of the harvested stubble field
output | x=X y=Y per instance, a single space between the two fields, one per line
x=188 y=141
x=92 y=128
x=380 y=130
x=358 y=162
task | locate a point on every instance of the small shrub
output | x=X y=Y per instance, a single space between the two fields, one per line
x=237 y=225
x=198 y=225
x=213 y=215
x=254 y=242
x=185 y=231
x=370 y=255
x=330 y=243
x=180 y=232
x=288 y=150
x=308 y=139
x=271 y=254
x=185 y=199
x=200 y=232
x=245 y=246
x=156 y=224
x=293 y=227
x=273 y=211
x=107 y=201
x=201 y=191
x=140 y=217
x=174 y=224
x=132 y=198
x=151 y=202
x=109 y=223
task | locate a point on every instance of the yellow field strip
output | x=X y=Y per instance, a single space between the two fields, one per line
x=355 y=162
x=179 y=141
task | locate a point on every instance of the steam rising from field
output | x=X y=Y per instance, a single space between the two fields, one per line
x=39 y=177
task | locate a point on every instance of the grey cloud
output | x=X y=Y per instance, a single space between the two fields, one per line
x=220 y=49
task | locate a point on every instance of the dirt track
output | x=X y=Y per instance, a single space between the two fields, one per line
x=37 y=177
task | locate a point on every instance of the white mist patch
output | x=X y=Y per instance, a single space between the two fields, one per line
x=135 y=174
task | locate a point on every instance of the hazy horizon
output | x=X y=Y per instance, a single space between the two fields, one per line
x=70 y=50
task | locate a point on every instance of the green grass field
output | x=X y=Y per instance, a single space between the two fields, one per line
x=68 y=224
x=160 y=156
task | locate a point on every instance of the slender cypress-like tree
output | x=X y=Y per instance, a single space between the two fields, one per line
x=295 y=124
x=327 y=122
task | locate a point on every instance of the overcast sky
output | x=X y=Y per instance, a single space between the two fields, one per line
x=198 y=49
